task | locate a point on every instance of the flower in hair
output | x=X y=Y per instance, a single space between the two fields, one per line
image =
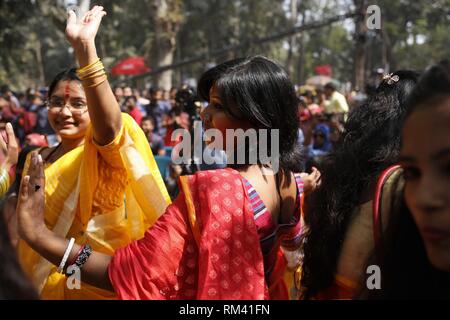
x=390 y=78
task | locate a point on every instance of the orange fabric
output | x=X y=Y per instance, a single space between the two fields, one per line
x=184 y=182
x=278 y=289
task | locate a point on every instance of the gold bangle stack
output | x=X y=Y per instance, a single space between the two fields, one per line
x=92 y=75
x=4 y=182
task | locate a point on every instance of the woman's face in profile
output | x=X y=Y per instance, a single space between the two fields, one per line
x=215 y=116
x=425 y=157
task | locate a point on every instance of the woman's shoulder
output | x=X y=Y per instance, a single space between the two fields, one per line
x=212 y=177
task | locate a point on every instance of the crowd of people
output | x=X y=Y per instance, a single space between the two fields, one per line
x=160 y=112
x=95 y=190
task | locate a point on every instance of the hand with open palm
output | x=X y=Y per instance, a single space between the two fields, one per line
x=31 y=201
x=82 y=31
x=9 y=148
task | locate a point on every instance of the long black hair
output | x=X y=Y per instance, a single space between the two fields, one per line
x=369 y=144
x=65 y=75
x=406 y=271
x=263 y=93
x=432 y=88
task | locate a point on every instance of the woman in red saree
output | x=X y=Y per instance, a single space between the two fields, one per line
x=203 y=247
x=222 y=238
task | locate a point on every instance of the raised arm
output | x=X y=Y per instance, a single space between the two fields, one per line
x=32 y=228
x=102 y=105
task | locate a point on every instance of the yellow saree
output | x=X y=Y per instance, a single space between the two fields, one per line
x=106 y=196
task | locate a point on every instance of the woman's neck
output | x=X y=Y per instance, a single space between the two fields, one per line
x=70 y=144
x=66 y=145
x=254 y=169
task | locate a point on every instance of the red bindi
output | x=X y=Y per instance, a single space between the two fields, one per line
x=67 y=91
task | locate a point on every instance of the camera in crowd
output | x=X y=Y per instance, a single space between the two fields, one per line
x=186 y=100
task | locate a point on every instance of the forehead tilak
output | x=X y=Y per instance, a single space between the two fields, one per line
x=67 y=90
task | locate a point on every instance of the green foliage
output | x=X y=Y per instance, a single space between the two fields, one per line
x=418 y=31
x=33 y=47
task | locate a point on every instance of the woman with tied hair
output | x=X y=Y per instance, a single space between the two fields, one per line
x=103 y=187
x=222 y=236
x=339 y=213
x=414 y=254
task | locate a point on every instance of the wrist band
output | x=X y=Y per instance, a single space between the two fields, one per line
x=71 y=262
x=66 y=255
x=82 y=257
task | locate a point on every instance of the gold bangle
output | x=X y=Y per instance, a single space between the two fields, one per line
x=89 y=70
x=89 y=65
x=94 y=65
x=4 y=182
x=94 y=85
x=91 y=74
x=95 y=75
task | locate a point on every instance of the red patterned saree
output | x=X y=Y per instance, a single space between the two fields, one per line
x=205 y=246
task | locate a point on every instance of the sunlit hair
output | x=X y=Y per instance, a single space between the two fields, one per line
x=369 y=144
x=265 y=97
x=432 y=88
x=406 y=271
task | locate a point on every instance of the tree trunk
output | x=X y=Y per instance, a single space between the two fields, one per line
x=360 y=45
x=301 y=51
x=179 y=72
x=165 y=78
x=40 y=62
x=385 y=52
x=292 y=41
x=387 y=49
x=167 y=19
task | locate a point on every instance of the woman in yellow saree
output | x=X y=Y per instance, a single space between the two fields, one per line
x=223 y=235
x=102 y=186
